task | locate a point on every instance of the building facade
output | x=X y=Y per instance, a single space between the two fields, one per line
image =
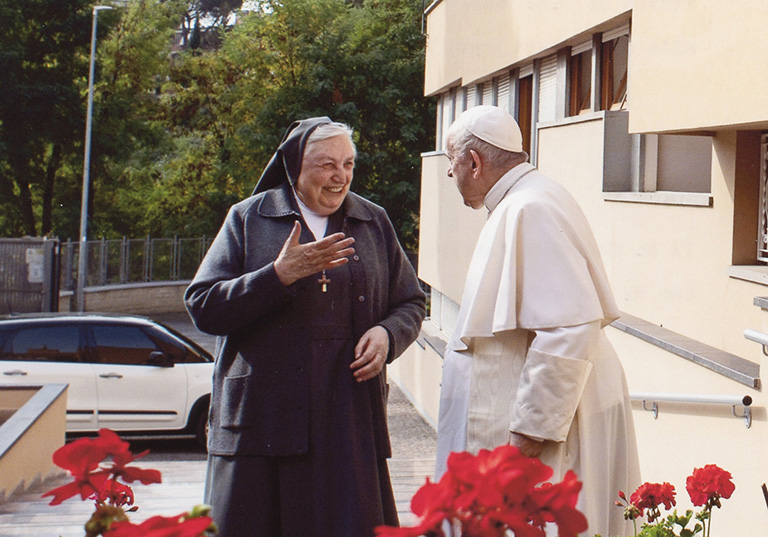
x=652 y=113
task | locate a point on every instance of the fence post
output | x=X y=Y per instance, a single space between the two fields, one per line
x=69 y=281
x=176 y=266
x=103 y=262
x=148 y=260
x=124 y=260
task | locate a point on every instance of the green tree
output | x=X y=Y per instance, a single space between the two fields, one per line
x=362 y=64
x=130 y=132
x=181 y=134
x=43 y=61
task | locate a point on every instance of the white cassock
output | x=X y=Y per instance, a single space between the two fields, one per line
x=529 y=353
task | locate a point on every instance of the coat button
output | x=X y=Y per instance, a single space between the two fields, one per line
x=361 y=298
x=356 y=257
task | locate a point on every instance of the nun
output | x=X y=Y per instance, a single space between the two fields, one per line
x=313 y=294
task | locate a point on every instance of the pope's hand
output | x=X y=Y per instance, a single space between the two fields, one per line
x=298 y=261
x=371 y=353
x=527 y=445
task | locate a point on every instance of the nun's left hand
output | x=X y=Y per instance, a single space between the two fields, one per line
x=371 y=353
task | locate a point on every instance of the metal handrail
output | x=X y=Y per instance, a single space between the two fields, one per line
x=759 y=337
x=733 y=400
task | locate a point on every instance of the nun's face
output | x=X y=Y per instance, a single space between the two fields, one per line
x=326 y=173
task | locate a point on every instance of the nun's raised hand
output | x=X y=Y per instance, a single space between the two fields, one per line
x=298 y=261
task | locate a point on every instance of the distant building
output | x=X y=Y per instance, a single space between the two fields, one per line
x=654 y=115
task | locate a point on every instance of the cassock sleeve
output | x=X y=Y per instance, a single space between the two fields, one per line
x=554 y=374
x=222 y=297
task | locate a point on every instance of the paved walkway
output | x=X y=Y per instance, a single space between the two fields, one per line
x=28 y=515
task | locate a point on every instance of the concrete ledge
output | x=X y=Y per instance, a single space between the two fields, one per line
x=693 y=199
x=30 y=436
x=750 y=273
x=146 y=298
x=719 y=361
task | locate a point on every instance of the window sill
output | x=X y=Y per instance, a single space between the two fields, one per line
x=749 y=273
x=692 y=199
x=432 y=337
x=729 y=365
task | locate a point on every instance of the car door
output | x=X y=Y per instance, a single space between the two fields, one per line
x=52 y=353
x=134 y=394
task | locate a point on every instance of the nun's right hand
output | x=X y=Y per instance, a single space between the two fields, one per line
x=298 y=261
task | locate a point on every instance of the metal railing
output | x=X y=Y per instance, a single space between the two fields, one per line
x=708 y=399
x=124 y=261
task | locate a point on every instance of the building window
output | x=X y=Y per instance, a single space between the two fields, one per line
x=525 y=110
x=444 y=312
x=762 y=232
x=614 y=60
x=667 y=168
x=580 y=79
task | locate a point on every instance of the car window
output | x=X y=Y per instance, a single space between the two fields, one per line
x=127 y=345
x=174 y=346
x=44 y=344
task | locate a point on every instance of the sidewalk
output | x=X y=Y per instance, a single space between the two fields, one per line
x=28 y=515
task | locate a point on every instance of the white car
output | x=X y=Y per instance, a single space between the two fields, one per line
x=125 y=373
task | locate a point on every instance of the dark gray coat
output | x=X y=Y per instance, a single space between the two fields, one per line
x=260 y=379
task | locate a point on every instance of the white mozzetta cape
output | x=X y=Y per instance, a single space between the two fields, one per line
x=528 y=353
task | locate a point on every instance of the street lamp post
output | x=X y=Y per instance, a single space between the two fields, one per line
x=82 y=265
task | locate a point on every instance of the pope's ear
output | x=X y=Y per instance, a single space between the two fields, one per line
x=477 y=162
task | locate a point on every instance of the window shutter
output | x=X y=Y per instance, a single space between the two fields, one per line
x=548 y=89
x=762 y=237
x=503 y=99
x=448 y=110
x=487 y=92
x=471 y=95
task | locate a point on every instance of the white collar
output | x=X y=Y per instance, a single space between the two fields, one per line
x=317 y=223
x=505 y=184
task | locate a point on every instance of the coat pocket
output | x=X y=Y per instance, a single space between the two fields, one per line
x=234 y=402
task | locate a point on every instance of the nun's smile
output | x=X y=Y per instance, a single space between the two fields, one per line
x=326 y=174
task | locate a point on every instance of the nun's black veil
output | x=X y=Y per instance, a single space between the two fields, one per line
x=285 y=164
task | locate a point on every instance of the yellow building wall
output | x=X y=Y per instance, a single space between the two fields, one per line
x=694 y=64
x=669 y=265
x=448 y=230
x=467 y=40
x=417 y=373
x=698 y=64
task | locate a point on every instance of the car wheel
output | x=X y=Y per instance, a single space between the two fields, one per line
x=201 y=428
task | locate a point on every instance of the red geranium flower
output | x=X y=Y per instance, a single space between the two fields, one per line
x=708 y=484
x=130 y=474
x=115 y=493
x=82 y=459
x=86 y=486
x=160 y=526
x=493 y=492
x=557 y=503
x=651 y=496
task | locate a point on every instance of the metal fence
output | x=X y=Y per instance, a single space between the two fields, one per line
x=28 y=269
x=121 y=261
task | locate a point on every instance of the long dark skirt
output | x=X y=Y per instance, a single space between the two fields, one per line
x=289 y=497
x=341 y=486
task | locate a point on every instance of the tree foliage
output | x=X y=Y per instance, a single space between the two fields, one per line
x=43 y=61
x=181 y=134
